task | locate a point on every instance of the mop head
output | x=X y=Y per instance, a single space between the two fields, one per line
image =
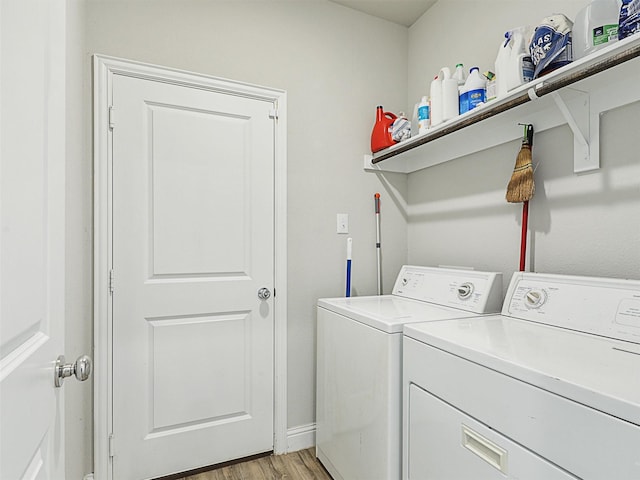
x=521 y=186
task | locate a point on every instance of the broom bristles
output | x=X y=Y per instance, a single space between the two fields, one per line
x=521 y=186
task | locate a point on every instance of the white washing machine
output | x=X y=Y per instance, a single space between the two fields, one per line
x=549 y=389
x=359 y=378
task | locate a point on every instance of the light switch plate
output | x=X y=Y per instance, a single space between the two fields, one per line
x=342 y=220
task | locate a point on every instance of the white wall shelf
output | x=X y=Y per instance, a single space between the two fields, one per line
x=576 y=94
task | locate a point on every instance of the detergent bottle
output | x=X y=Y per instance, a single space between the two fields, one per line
x=459 y=74
x=475 y=88
x=596 y=26
x=381 y=134
x=450 y=107
x=513 y=62
x=460 y=77
x=436 y=101
x=423 y=115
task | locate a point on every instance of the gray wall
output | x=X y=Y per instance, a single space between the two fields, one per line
x=581 y=224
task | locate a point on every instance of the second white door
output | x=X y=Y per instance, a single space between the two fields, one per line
x=193 y=243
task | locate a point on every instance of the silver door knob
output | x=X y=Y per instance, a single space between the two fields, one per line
x=81 y=369
x=264 y=293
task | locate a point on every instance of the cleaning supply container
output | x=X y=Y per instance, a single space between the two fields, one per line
x=444 y=97
x=435 y=93
x=459 y=74
x=475 y=89
x=423 y=115
x=381 y=134
x=450 y=107
x=595 y=26
x=513 y=63
x=460 y=77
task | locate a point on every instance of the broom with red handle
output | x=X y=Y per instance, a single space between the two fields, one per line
x=522 y=187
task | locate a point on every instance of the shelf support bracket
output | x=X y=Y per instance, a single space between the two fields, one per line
x=369 y=166
x=585 y=127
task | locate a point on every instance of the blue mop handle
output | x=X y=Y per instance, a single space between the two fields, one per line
x=349 y=243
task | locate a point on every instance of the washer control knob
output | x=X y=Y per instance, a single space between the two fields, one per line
x=535 y=298
x=465 y=290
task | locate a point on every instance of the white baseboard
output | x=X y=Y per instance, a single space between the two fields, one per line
x=301 y=437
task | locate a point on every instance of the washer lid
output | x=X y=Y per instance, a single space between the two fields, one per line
x=596 y=371
x=389 y=312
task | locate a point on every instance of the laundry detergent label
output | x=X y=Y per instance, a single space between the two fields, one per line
x=423 y=112
x=475 y=97
x=604 y=34
x=464 y=102
x=527 y=69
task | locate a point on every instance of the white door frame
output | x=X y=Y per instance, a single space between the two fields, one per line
x=104 y=68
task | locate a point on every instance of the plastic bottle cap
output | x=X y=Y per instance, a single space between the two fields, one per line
x=477 y=69
x=459 y=65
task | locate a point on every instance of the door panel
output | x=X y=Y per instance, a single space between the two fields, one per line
x=213 y=348
x=187 y=179
x=192 y=244
x=32 y=254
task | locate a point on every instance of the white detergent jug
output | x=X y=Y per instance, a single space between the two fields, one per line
x=596 y=26
x=475 y=88
x=436 y=101
x=513 y=64
x=450 y=108
x=444 y=97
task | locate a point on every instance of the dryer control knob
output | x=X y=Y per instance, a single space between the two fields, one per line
x=465 y=290
x=535 y=298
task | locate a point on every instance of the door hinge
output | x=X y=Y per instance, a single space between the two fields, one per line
x=273 y=113
x=111 y=281
x=112 y=117
x=111 y=454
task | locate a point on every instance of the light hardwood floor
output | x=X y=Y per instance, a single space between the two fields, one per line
x=302 y=465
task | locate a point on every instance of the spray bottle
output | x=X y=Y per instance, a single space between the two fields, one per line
x=513 y=62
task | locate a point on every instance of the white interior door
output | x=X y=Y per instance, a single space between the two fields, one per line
x=193 y=242
x=32 y=240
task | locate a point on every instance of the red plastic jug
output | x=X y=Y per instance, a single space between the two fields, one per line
x=381 y=134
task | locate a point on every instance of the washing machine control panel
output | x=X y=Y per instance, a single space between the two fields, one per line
x=603 y=306
x=470 y=290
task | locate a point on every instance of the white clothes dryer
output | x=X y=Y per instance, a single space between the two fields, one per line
x=359 y=362
x=549 y=389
